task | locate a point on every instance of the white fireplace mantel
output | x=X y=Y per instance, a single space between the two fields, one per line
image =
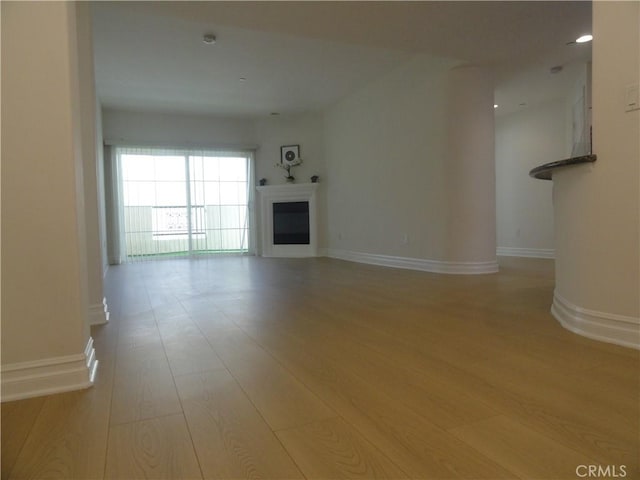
x=298 y=192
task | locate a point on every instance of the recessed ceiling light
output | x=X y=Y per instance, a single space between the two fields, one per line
x=584 y=39
x=209 y=38
x=523 y=104
x=556 y=69
x=274 y=114
x=243 y=79
x=495 y=105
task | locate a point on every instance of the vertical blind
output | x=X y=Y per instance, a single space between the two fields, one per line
x=172 y=202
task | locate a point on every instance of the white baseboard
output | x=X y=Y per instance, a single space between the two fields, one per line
x=49 y=376
x=606 y=327
x=526 y=252
x=99 y=313
x=433 y=266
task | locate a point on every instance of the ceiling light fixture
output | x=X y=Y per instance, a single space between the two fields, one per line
x=584 y=39
x=209 y=38
x=495 y=105
x=556 y=69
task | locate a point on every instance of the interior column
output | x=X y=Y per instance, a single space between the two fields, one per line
x=470 y=168
x=46 y=347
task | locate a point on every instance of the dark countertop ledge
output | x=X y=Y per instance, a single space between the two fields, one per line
x=544 y=172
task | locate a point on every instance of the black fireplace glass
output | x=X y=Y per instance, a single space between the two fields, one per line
x=291 y=223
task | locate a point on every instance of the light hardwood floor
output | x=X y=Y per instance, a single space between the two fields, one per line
x=244 y=367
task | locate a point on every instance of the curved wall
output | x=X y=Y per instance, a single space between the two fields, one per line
x=597 y=205
x=399 y=187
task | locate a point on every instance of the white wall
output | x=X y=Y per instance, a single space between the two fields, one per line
x=306 y=130
x=598 y=205
x=524 y=206
x=266 y=136
x=95 y=288
x=40 y=202
x=43 y=233
x=385 y=151
x=172 y=129
x=100 y=173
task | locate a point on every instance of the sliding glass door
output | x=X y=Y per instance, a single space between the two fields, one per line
x=219 y=187
x=183 y=203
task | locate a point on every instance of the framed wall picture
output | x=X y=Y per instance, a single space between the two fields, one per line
x=290 y=154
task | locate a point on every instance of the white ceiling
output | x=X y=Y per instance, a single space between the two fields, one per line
x=300 y=56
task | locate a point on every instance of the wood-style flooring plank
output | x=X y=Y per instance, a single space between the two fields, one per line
x=445 y=405
x=333 y=449
x=169 y=311
x=211 y=321
x=18 y=418
x=231 y=438
x=502 y=380
x=185 y=359
x=237 y=349
x=282 y=400
x=159 y=448
x=418 y=447
x=191 y=353
x=135 y=337
x=521 y=449
x=143 y=393
x=179 y=330
x=68 y=439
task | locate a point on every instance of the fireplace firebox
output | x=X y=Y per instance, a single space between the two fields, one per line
x=291 y=223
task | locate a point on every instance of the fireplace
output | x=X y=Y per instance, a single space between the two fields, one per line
x=288 y=220
x=291 y=223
